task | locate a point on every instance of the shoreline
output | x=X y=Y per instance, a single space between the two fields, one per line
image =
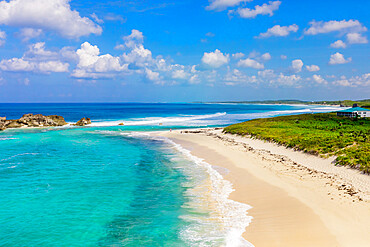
x=296 y=201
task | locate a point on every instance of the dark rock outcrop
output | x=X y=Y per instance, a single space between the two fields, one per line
x=30 y=120
x=83 y=122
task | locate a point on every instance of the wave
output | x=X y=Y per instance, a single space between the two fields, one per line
x=231 y=217
x=220 y=118
x=7 y=138
x=17 y=155
x=158 y=120
x=233 y=214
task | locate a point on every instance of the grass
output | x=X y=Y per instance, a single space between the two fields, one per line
x=322 y=134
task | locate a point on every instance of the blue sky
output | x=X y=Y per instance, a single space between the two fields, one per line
x=178 y=51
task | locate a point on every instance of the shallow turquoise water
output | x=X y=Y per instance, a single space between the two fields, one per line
x=86 y=188
x=113 y=186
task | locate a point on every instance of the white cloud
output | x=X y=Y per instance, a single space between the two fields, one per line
x=29 y=33
x=53 y=66
x=238 y=55
x=338 y=58
x=36 y=59
x=93 y=65
x=215 y=59
x=266 y=56
x=53 y=15
x=338 y=44
x=279 y=31
x=224 y=4
x=273 y=79
x=354 y=81
x=318 y=27
x=151 y=75
x=194 y=79
x=297 y=65
x=22 y=65
x=96 y=18
x=312 y=68
x=356 y=38
x=134 y=39
x=250 y=63
x=287 y=80
x=2 y=38
x=265 y=9
x=179 y=74
x=16 y=64
x=283 y=57
x=26 y=82
x=319 y=79
x=235 y=76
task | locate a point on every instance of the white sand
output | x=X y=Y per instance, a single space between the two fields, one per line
x=297 y=199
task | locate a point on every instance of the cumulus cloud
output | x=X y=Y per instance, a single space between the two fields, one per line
x=319 y=79
x=219 y=5
x=274 y=79
x=286 y=80
x=266 y=56
x=22 y=65
x=338 y=44
x=53 y=15
x=180 y=74
x=338 y=58
x=29 y=33
x=318 y=27
x=312 y=68
x=2 y=38
x=238 y=55
x=297 y=65
x=215 y=59
x=356 y=38
x=354 y=81
x=250 y=63
x=234 y=77
x=279 y=31
x=151 y=75
x=93 y=65
x=36 y=59
x=264 y=9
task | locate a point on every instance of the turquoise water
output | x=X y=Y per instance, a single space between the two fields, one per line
x=114 y=185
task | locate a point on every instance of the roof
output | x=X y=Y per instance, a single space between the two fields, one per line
x=355 y=109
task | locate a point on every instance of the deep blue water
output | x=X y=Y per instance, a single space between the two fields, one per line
x=109 y=185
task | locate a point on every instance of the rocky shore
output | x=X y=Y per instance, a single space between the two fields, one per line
x=38 y=120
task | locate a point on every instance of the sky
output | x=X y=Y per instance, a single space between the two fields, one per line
x=183 y=51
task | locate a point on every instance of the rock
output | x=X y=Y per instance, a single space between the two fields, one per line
x=30 y=120
x=2 y=119
x=83 y=122
x=14 y=124
x=121 y=124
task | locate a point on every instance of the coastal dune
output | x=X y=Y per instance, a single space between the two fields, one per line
x=297 y=199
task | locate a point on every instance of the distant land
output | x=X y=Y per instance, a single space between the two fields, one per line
x=345 y=103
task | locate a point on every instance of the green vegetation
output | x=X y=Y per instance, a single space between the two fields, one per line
x=322 y=134
x=362 y=103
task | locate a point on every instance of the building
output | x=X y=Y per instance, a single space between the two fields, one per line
x=354 y=112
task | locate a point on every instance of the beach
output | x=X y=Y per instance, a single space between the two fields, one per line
x=297 y=199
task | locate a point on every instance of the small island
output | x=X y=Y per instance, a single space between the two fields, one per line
x=38 y=120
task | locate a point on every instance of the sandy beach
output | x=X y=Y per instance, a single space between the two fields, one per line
x=297 y=199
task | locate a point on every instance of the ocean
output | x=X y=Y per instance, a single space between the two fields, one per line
x=110 y=185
